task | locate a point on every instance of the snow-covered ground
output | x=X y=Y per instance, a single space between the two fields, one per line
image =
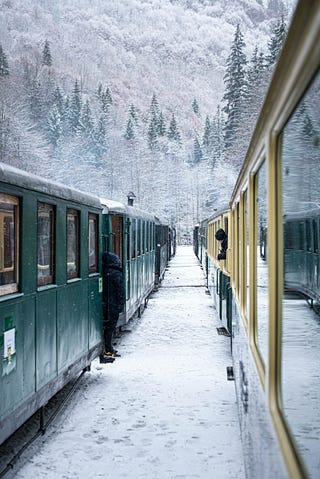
x=164 y=409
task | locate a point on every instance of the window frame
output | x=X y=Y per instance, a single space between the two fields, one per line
x=76 y=214
x=10 y=288
x=47 y=208
x=95 y=218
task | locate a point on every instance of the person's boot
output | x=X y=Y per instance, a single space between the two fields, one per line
x=103 y=358
x=113 y=353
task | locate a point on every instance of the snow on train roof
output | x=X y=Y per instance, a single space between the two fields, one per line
x=110 y=206
x=14 y=176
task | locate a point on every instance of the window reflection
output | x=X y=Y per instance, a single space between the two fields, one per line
x=93 y=243
x=262 y=267
x=134 y=235
x=246 y=254
x=300 y=323
x=45 y=244
x=8 y=243
x=72 y=244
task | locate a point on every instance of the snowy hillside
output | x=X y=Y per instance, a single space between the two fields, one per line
x=176 y=49
x=130 y=90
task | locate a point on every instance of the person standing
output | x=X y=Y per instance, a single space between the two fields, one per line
x=113 y=299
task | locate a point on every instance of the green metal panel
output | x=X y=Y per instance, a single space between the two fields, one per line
x=95 y=311
x=84 y=266
x=46 y=337
x=61 y=245
x=106 y=233
x=17 y=375
x=27 y=317
x=73 y=330
x=28 y=244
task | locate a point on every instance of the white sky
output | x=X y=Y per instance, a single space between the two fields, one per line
x=163 y=410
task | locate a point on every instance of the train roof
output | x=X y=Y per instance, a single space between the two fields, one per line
x=161 y=221
x=223 y=210
x=110 y=206
x=16 y=177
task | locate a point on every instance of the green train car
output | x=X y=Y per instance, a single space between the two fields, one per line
x=301 y=254
x=130 y=233
x=50 y=291
x=51 y=323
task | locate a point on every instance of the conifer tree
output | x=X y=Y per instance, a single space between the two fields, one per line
x=108 y=97
x=133 y=114
x=216 y=138
x=235 y=83
x=104 y=97
x=132 y=123
x=161 y=125
x=153 y=134
x=173 y=132
x=197 y=152
x=75 y=108
x=153 y=129
x=255 y=74
x=129 y=133
x=278 y=35
x=4 y=65
x=154 y=107
x=86 y=122
x=206 y=134
x=100 y=136
x=58 y=101
x=46 y=54
x=36 y=100
x=195 y=107
x=54 y=125
x=99 y=91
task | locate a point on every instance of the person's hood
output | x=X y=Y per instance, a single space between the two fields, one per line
x=111 y=260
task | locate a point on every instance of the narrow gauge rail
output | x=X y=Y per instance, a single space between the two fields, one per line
x=267 y=291
x=51 y=326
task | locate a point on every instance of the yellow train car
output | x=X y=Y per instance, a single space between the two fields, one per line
x=276 y=348
x=273 y=266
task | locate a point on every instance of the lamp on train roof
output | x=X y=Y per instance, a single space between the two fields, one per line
x=131 y=196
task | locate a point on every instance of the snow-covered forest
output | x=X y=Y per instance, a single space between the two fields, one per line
x=158 y=97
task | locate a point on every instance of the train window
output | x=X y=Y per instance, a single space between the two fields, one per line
x=73 y=249
x=143 y=249
x=148 y=236
x=308 y=235
x=117 y=235
x=237 y=270
x=152 y=236
x=301 y=241
x=300 y=352
x=246 y=263
x=262 y=311
x=46 y=243
x=134 y=236
x=235 y=249
x=315 y=236
x=288 y=235
x=93 y=243
x=9 y=234
x=139 y=237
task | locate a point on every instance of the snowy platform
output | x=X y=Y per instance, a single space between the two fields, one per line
x=164 y=410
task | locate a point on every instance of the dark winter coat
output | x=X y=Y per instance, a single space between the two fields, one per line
x=223 y=249
x=113 y=287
